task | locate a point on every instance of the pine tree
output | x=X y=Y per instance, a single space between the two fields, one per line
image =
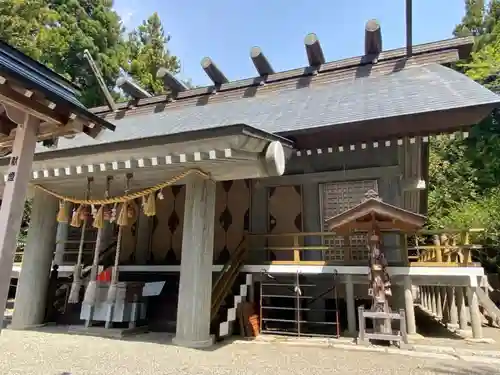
x=472 y=22
x=148 y=52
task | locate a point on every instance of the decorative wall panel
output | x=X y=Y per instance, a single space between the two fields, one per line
x=166 y=242
x=232 y=217
x=338 y=197
x=127 y=250
x=284 y=216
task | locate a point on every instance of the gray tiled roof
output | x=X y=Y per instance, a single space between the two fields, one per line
x=412 y=90
x=33 y=75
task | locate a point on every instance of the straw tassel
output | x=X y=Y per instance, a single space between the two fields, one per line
x=123 y=219
x=76 y=220
x=74 y=295
x=150 y=205
x=63 y=214
x=99 y=218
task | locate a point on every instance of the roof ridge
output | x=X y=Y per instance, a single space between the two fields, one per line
x=336 y=65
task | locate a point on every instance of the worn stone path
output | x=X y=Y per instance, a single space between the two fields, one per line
x=56 y=354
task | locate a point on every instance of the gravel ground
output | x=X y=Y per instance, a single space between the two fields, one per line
x=62 y=354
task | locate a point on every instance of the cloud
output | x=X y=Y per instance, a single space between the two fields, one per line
x=126 y=11
x=126 y=17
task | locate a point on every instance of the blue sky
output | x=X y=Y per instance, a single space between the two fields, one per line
x=225 y=30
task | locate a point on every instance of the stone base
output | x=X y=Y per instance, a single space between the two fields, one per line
x=17 y=327
x=114 y=333
x=194 y=344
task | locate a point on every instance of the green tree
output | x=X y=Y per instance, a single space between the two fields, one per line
x=148 y=52
x=465 y=174
x=56 y=32
x=473 y=20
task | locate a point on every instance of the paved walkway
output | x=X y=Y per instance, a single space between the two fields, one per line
x=57 y=354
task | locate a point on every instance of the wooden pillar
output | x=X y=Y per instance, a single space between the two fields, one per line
x=411 y=324
x=31 y=294
x=475 y=315
x=14 y=196
x=195 y=286
x=462 y=312
x=350 y=303
x=452 y=305
x=403 y=245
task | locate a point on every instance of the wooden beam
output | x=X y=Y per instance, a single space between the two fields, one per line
x=170 y=82
x=260 y=62
x=132 y=88
x=409 y=26
x=15 y=99
x=373 y=38
x=213 y=72
x=313 y=49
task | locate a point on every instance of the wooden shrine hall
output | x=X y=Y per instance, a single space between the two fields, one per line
x=203 y=201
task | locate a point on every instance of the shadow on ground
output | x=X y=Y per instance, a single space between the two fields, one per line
x=160 y=338
x=429 y=327
x=457 y=370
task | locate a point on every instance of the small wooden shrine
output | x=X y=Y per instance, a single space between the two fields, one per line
x=373 y=216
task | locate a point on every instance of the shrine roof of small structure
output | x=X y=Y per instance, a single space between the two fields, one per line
x=354 y=100
x=373 y=210
x=33 y=88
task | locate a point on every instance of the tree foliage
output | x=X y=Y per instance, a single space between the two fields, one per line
x=56 y=32
x=465 y=173
x=147 y=53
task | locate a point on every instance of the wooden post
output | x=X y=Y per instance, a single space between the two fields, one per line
x=402 y=327
x=361 y=322
x=347 y=249
x=403 y=246
x=439 y=254
x=466 y=250
x=14 y=196
x=296 y=251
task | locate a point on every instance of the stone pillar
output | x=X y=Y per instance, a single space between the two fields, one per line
x=351 y=308
x=411 y=325
x=195 y=287
x=142 y=246
x=462 y=312
x=62 y=237
x=427 y=298
x=452 y=308
x=31 y=295
x=433 y=300
x=439 y=301
x=14 y=194
x=475 y=315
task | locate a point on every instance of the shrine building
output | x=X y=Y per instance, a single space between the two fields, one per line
x=206 y=199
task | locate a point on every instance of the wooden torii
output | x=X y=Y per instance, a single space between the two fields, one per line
x=372 y=216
